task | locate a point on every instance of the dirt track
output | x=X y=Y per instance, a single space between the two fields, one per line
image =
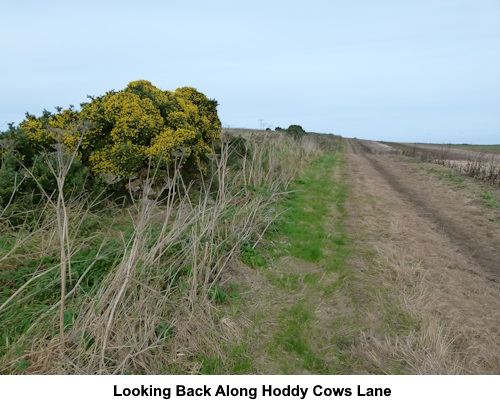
x=414 y=233
x=418 y=292
x=467 y=228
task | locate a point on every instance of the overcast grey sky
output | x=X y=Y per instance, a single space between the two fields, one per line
x=390 y=70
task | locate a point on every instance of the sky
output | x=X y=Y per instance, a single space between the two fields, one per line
x=412 y=71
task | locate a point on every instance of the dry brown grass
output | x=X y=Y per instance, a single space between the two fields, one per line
x=154 y=312
x=426 y=307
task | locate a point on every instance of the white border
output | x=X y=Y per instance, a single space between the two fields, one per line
x=91 y=390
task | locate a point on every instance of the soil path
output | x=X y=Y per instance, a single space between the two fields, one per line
x=411 y=231
x=465 y=225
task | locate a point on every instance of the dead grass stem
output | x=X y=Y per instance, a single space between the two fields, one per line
x=155 y=312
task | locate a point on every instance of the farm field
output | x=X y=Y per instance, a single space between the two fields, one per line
x=466 y=147
x=481 y=153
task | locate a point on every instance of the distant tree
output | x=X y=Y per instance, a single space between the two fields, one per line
x=295 y=130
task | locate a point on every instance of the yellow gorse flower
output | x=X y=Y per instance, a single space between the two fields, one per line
x=133 y=126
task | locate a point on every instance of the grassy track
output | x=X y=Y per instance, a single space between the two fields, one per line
x=296 y=333
x=308 y=208
x=331 y=293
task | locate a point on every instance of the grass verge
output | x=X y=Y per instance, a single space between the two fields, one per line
x=303 y=263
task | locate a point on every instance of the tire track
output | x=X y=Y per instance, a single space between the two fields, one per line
x=459 y=232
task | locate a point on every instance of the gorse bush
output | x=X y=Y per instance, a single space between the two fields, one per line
x=115 y=136
x=132 y=128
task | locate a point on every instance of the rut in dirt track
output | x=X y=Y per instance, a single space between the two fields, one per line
x=450 y=218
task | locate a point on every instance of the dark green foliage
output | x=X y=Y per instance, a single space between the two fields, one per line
x=217 y=294
x=295 y=130
x=7 y=177
x=252 y=257
x=210 y=365
x=238 y=151
x=41 y=294
x=18 y=142
x=164 y=330
x=27 y=169
x=242 y=360
x=293 y=338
